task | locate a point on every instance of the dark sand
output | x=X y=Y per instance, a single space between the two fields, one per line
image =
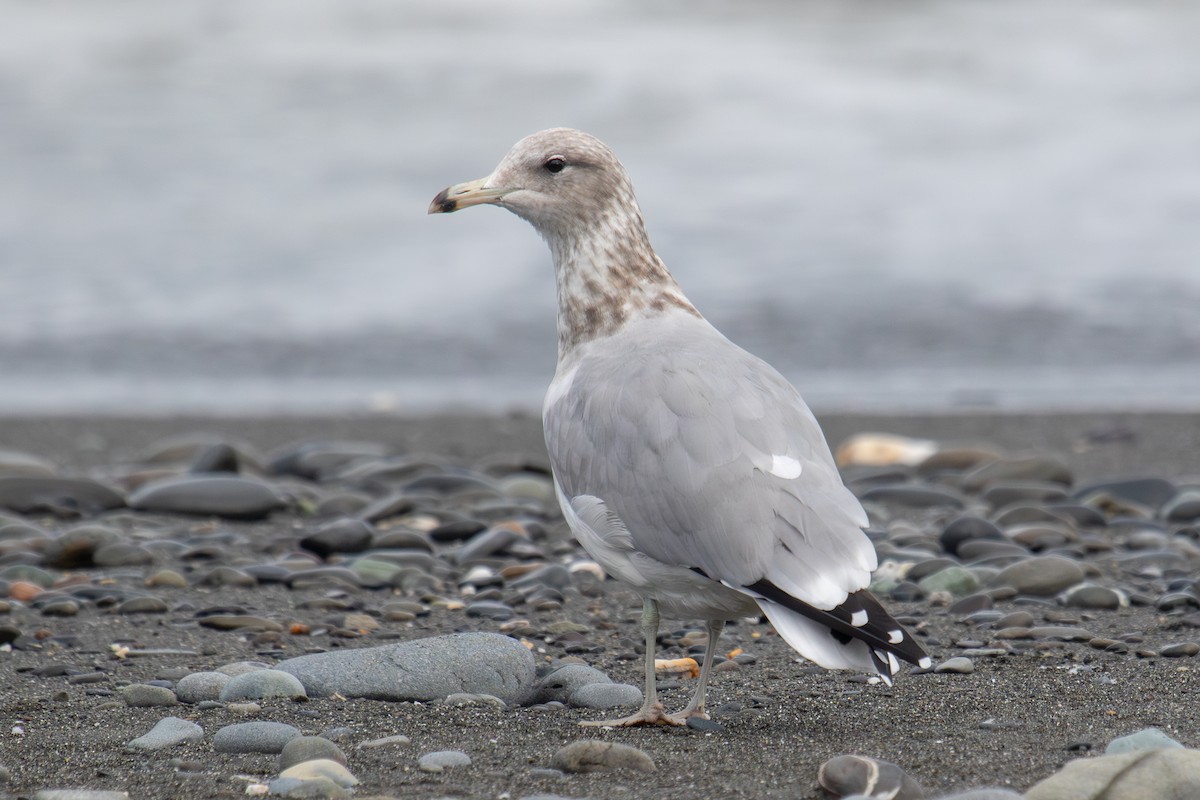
x=1040 y=704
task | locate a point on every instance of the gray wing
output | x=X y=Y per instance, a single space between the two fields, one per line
x=710 y=459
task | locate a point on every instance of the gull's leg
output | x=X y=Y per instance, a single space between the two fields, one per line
x=696 y=707
x=651 y=712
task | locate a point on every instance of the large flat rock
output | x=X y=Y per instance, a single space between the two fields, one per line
x=423 y=669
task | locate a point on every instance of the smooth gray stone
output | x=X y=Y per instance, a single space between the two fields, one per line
x=1041 y=576
x=263 y=684
x=1093 y=597
x=28 y=495
x=227 y=496
x=1061 y=633
x=236 y=668
x=217 y=457
x=1036 y=468
x=16 y=463
x=562 y=682
x=143 y=605
x=485 y=544
x=1149 y=491
x=423 y=669
x=122 y=554
x=168 y=732
x=968 y=528
x=1184 y=507
x=1180 y=650
x=985 y=793
x=490 y=609
x=604 y=696
x=309 y=748
x=311 y=460
x=555 y=575
x=1145 y=739
x=140 y=695
x=909 y=495
x=346 y=535
x=228 y=576
x=254 y=737
x=442 y=759
x=201 y=686
x=1002 y=493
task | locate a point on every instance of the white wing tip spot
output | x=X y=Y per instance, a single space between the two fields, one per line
x=785 y=467
x=858 y=618
x=925 y=663
x=895 y=637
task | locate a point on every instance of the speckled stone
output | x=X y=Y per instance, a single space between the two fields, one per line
x=200 y=686
x=1162 y=774
x=167 y=733
x=1145 y=739
x=605 y=696
x=589 y=755
x=263 y=684
x=443 y=759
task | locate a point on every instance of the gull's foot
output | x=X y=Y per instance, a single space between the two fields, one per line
x=682 y=717
x=651 y=715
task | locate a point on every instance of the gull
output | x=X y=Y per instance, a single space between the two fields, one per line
x=686 y=467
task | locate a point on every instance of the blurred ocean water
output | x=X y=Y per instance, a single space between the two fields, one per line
x=216 y=205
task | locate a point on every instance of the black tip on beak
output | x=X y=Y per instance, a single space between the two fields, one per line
x=442 y=204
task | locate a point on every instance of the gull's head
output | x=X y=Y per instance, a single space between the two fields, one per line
x=558 y=180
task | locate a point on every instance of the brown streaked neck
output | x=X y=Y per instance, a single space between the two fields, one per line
x=606 y=274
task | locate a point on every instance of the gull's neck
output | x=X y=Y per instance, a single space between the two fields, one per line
x=607 y=274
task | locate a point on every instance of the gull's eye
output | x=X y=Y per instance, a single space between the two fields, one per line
x=555 y=164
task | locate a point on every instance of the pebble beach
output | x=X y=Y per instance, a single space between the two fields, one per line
x=379 y=607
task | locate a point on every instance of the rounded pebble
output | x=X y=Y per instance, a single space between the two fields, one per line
x=1041 y=576
x=443 y=759
x=254 y=737
x=200 y=686
x=226 y=496
x=263 y=684
x=309 y=748
x=603 y=696
x=141 y=695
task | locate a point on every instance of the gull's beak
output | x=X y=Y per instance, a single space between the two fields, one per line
x=461 y=195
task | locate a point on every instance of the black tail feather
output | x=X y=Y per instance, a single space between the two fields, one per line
x=860 y=617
